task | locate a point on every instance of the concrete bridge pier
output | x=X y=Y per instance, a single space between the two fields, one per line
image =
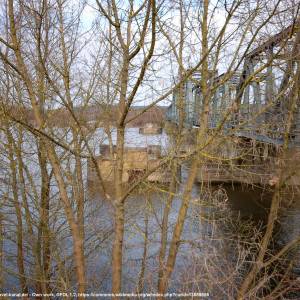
x=137 y=161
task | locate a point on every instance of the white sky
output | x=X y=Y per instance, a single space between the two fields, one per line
x=166 y=70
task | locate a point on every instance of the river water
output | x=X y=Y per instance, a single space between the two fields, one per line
x=222 y=221
x=218 y=217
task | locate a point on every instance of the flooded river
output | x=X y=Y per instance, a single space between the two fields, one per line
x=222 y=221
x=222 y=227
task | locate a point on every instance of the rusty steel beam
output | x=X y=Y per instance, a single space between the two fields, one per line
x=250 y=57
x=275 y=39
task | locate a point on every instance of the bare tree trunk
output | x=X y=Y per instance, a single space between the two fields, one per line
x=141 y=279
x=164 y=229
x=80 y=197
x=40 y=282
x=119 y=217
x=257 y=265
x=1 y=251
x=117 y=251
x=18 y=210
x=163 y=283
x=77 y=241
x=178 y=137
x=44 y=230
x=79 y=187
x=175 y=242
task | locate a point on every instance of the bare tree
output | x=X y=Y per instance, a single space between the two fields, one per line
x=62 y=80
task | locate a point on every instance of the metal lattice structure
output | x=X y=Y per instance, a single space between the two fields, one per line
x=264 y=100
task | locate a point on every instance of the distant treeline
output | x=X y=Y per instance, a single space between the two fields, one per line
x=106 y=114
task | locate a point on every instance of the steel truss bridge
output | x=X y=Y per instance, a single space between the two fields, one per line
x=260 y=105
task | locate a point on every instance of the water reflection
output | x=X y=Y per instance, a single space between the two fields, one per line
x=223 y=225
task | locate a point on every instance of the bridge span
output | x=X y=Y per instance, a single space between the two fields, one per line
x=255 y=112
x=263 y=98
